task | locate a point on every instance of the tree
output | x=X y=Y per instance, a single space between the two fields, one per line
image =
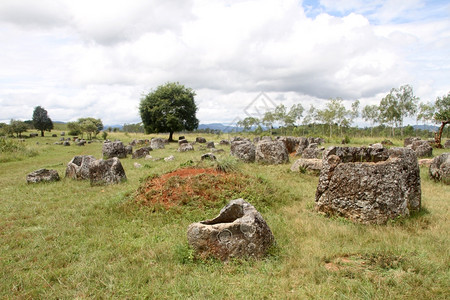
x=334 y=112
x=74 y=128
x=397 y=105
x=41 y=121
x=371 y=113
x=91 y=126
x=17 y=127
x=426 y=112
x=389 y=112
x=295 y=114
x=248 y=123
x=441 y=115
x=268 y=120
x=169 y=108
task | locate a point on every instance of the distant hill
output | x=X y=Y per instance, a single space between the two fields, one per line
x=221 y=127
x=426 y=127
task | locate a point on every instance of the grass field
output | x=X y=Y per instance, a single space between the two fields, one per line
x=70 y=240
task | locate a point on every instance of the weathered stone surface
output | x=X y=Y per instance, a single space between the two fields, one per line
x=200 y=140
x=104 y=172
x=369 y=185
x=377 y=145
x=408 y=141
x=447 y=144
x=63 y=133
x=312 y=152
x=142 y=152
x=183 y=141
x=209 y=156
x=244 y=150
x=81 y=142
x=271 y=152
x=312 y=165
x=291 y=142
x=66 y=143
x=239 y=231
x=266 y=138
x=169 y=158
x=185 y=147
x=157 y=143
x=54 y=135
x=78 y=167
x=43 y=175
x=387 y=143
x=224 y=142
x=114 y=149
x=422 y=148
x=440 y=168
x=129 y=149
x=210 y=145
x=137 y=165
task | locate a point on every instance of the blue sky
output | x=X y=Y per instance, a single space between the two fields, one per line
x=96 y=58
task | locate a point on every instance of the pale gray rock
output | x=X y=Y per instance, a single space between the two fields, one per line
x=157 y=143
x=290 y=142
x=43 y=175
x=210 y=145
x=78 y=167
x=244 y=150
x=185 y=147
x=224 y=142
x=200 y=140
x=440 y=168
x=408 y=141
x=447 y=144
x=105 y=172
x=182 y=141
x=129 y=149
x=137 y=165
x=169 y=158
x=239 y=231
x=312 y=165
x=142 y=152
x=367 y=185
x=313 y=152
x=271 y=152
x=114 y=149
x=422 y=148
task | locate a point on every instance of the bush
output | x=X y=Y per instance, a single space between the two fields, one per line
x=11 y=150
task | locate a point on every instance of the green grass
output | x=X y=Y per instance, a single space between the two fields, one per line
x=70 y=240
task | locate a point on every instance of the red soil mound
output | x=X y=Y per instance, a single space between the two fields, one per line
x=192 y=186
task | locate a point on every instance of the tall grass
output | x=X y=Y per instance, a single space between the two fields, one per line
x=11 y=149
x=70 y=240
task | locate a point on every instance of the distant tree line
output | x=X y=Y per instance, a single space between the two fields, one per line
x=390 y=113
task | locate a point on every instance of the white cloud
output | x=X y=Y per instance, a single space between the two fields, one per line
x=96 y=58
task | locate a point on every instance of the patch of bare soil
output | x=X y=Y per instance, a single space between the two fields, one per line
x=362 y=262
x=193 y=186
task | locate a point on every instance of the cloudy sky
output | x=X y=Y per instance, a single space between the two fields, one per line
x=95 y=58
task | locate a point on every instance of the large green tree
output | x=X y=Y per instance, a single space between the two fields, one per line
x=169 y=108
x=41 y=121
x=442 y=115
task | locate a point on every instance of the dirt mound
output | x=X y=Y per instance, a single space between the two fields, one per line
x=190 y=186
